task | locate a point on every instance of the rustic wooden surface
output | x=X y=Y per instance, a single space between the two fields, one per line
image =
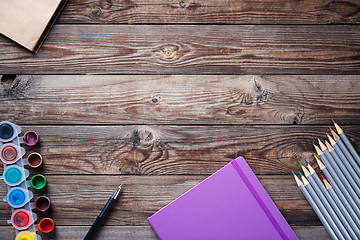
x=161 y=104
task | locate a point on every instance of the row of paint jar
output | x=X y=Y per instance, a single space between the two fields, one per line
x=15 y=176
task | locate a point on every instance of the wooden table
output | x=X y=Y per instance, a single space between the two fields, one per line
x=158 y=95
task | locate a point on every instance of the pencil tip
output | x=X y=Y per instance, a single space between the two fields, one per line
x=293 y=173
x=333 y=121
x=300 y=163
x=307 y=164
x=314 y=144
x=300 y=174
x=330 y=128
x=316 y=157
x=322 y=176
x=317 y=138
x=327 y=134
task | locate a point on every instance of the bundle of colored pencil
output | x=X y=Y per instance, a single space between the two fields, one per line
x=337 y=201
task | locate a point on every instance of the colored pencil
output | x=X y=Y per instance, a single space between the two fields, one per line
x=338 y=175
x=329 y=204
x=341 y=206
x=321 y=206
x=339 y=189
x=315 y=207
x=355 y=172
x=346 y=152
x=347 y=142
x=349 y=173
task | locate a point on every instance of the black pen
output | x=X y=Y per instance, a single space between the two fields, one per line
x=91 y=233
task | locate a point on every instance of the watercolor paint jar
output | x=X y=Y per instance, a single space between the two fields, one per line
x=14 y=175
x=17 y=197
x=42 y=203
x=38 y=181
x=46 y=225
x=34 y=160
x=8 y=131
x=22 y=219
x=27 y=235
x=30 y=138
x=11 y=153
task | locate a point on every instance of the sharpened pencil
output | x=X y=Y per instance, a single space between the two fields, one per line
x=349 y=173
x=329 y=204
x=338 y=174
x=321 y=206
x=339 y=188
x=347 y=142
x=346 y=152
x=315 y=207
x=355 y=172
x=343 y=169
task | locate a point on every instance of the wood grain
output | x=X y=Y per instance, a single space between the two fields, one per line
x=146 y=232
x=176 y=99
x=77 y=200
x=211 y=12
x=174 y=150
x=189 y=49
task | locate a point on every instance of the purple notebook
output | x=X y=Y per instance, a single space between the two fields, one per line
x=230 y=204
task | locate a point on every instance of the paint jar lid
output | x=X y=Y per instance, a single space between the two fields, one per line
x=30 y=138
x=34 y=160
x=27 y=235
x=46 y=225
x=14 y=175
x=21 y=219
x=10 y=153
x=6 y=131
x=38 y=181
x=18 y=197
x=42 y=203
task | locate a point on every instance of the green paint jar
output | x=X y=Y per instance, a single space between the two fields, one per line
x=38 y=181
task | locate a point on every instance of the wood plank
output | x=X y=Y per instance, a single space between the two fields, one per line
x=145 y=232
x=77 y=199
x=160 y=150
x=176 y=99
x=211 y=12
x=189 y=49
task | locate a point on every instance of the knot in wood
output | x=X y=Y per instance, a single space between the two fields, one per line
x=143 y=137
x=96 y=12
x=182 y=4
x=155 y=100
x=7 y=79
x=168 y=53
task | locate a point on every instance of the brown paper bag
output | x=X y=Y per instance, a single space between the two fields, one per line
x=28 y=22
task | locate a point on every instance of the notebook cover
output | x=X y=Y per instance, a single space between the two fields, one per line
x=28 y=22
x=230 y=204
